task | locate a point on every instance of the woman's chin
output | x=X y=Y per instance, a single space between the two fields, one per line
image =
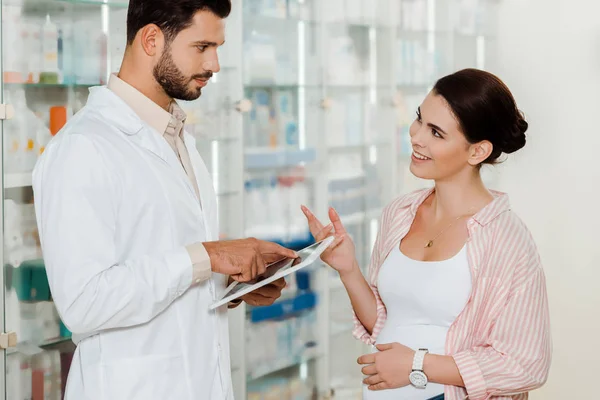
x=419 y=172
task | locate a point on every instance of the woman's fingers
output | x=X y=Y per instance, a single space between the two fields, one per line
x=337 y=223
x=314 y=224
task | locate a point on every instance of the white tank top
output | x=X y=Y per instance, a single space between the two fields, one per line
x=422 y=298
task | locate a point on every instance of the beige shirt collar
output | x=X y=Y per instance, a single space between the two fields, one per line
x=150 y=112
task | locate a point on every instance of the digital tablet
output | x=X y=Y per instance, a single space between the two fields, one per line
x=274 y=271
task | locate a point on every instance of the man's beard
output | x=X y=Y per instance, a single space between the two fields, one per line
x=173 y=81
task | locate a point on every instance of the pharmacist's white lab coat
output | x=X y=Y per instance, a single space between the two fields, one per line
x=115 y=210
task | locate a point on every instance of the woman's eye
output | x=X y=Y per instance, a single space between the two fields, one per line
x=435 y=133
x=418 y=116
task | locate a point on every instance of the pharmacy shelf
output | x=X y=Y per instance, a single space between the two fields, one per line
x=374 y=213
x=272 y=158
x=47 y=5
x=343 y=183
x=360 y=217
x=413 y=87
x=220 y=139
x=355 y=147
x=341 y=329
x=272 y=85
x=283 y=308
x=228 y=193
x=353 y=219
x=407 y=33
x=51 y=85
x=20 y=180
x=360 y=23
x=281 y=365
x=58 y=343
x=336 y=284
x=332 y=87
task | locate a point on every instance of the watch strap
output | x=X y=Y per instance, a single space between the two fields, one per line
x=419 y=359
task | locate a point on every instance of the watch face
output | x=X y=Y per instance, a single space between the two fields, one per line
x=418 y=379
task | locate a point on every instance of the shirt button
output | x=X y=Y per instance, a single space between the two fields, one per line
x=198 y=280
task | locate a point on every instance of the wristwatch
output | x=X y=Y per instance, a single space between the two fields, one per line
x=417 y=377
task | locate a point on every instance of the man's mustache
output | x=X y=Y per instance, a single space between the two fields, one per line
x=205 y=76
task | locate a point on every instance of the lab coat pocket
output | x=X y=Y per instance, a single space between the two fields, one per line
x=145 y=378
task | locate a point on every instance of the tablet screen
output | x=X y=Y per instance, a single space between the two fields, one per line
x=278 y=266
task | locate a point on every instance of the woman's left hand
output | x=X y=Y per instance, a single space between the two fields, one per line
x=388 y=369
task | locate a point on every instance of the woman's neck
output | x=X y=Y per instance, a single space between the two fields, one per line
x=459 y=196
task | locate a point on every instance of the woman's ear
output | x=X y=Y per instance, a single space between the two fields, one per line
x=480 y=152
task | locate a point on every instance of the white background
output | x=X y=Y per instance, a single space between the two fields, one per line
x=550 y=58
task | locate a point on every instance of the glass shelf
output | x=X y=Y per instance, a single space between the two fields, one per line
x=364 y=24
x=53 y=7
x=349 y=86
x=17 y=180
x=60 y=343
x=281 y=365
x=423 y=33
x=51 y=85
x=110 y=3
x=50 y=4
x=278 y=86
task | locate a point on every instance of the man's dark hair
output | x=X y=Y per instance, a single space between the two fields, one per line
x=171 y=16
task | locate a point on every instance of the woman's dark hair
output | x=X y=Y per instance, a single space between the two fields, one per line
x=171 y=16
x=485 y=109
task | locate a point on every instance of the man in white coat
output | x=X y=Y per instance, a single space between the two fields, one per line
x=127 y=217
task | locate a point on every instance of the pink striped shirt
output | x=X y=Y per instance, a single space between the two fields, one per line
x=501 y=340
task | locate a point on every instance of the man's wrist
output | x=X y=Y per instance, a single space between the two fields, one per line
x=201 y=265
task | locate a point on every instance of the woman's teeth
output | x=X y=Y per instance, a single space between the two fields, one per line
x=420 y=156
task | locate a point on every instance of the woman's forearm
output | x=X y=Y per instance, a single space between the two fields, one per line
x=361 y=296
x=442 y=370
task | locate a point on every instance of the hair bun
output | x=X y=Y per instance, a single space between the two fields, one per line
x=516 y=140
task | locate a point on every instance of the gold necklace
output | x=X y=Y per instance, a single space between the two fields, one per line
x=430 y=242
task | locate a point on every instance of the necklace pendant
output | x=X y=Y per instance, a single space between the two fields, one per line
x=429 y=244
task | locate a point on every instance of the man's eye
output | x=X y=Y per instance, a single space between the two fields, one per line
x=201 y=48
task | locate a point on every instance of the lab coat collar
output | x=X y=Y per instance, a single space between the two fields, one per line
x=123 y=117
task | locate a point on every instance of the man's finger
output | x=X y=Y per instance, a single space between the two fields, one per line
x=279 y=283
x=268 y=291
x=261 y=266
x=274 y=248
x=271 y=258
x=255 y=299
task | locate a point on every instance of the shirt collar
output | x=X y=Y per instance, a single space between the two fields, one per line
x=487 y=214
x=150 y=112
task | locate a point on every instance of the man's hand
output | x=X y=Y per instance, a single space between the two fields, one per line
x=388 y=369
x=266 y=295
x=244 y=259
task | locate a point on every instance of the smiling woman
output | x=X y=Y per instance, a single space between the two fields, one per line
x=455 y=303
x=469 y=117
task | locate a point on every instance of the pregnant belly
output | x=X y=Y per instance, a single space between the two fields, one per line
x=417 y=336
x=430 y=337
